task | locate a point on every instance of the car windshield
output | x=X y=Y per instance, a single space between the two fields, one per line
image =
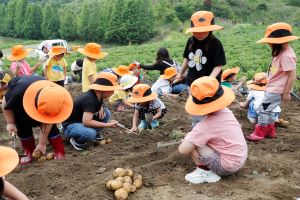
x=57 y=44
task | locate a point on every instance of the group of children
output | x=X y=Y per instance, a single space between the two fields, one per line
x=216 y=143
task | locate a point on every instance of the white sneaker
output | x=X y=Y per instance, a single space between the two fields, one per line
x=202 y=176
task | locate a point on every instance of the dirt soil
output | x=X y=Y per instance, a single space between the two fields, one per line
x=272 y=170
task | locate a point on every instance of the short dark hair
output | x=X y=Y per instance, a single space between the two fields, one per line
x=79 y=62
x=1 y=53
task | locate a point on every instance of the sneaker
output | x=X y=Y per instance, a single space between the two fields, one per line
x=77 y=145
x=202 y=176
x=98 y=138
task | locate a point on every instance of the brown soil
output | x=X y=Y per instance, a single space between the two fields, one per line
x=272 y=170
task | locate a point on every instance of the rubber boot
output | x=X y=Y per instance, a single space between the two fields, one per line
x=258 y=134
x=58 y=146
x=28 y=145
x=271 y=133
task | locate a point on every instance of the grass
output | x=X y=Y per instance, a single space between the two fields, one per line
x=238 y=41
x=6 y=43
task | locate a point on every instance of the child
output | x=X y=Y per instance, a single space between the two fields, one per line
x=204 y=54
x=86 y=119
x=19 y=66
x=119 y=98
x=4 y=79
x=255 y=97
x=229 y=76
x=56 y=66
x=31 y=101
x=136 y=72
x=146 y=102
x=163 y=85
x=76 y=69
x=93 y=52
x=216 y=144
x=282 y=76
x=8 y=161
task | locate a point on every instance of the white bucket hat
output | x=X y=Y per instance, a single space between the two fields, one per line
x=128 y=81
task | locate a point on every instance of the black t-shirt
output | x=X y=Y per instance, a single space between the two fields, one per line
x=160 y=66
x=87 y=102
x=15 y=92
x=203 y=57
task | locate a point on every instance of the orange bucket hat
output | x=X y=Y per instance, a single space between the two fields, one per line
x=207 y=96
x=57 y=50
x=169 y=73
x=122 y=70
x=228 y=73
x=278 y=33
x=9 y=159
x=259 y=82
x=47 y=102
x=93 y=50
x=142 y=93
x=203 y=21
x=18 y=52
x=105 y=81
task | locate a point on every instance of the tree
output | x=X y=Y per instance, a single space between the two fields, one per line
x=8 y=22
x=68 y=28
x=33 y=21
x=20 y=12
x=184 y=10
x=83 y=21
x=95 y=26
x=115 y=30
x=50 y=22
x=138 y=26
x=2 y=16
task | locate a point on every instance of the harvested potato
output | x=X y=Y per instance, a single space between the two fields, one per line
x=128 y=179
x=121 y=194
x=42 y=159
x=50 y=156
x=108 y=141
x=137 y=176
x=120 y=178
x=130 y=173
x=128 y=187
x=102 y=142
x=119 y=172
x=113 y=184
x=138 y=183
x=37 y=154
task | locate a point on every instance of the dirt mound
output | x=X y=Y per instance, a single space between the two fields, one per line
x=271 y=171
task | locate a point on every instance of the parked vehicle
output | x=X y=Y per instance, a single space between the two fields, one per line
x=40 y=51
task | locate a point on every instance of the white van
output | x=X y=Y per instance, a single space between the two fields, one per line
x=49 y=44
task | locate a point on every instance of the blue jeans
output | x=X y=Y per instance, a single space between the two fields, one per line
x=143 y=124
x=82 y=133
x=177 y=89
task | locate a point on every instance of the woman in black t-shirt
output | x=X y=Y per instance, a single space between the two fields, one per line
x=204 y=54
x=163 y=61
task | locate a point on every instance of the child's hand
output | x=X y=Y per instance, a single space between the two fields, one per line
x=178 y=78
x=137 y=63
x=134 y=130
x=113 y=124
x=286 y=97
x=41 y=147
x=242 y=105
x=11 y=128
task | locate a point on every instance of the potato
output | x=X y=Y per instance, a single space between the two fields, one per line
x=50 y=156
x=130 y=173
x=137 y=176
x=120 y=178
x=119 y=172
x=138 y=183
x=102 y=142
x=108 y=141
x=128 y=187
x=128 y=179
x=42 y=159
x=121 y=194
x=37 y=154
x=113 y=185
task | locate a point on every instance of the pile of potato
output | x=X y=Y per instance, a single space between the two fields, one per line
x=41 y=158
x=125 y=182
x=105 y=141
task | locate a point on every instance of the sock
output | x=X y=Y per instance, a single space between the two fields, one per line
x=203 y=167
